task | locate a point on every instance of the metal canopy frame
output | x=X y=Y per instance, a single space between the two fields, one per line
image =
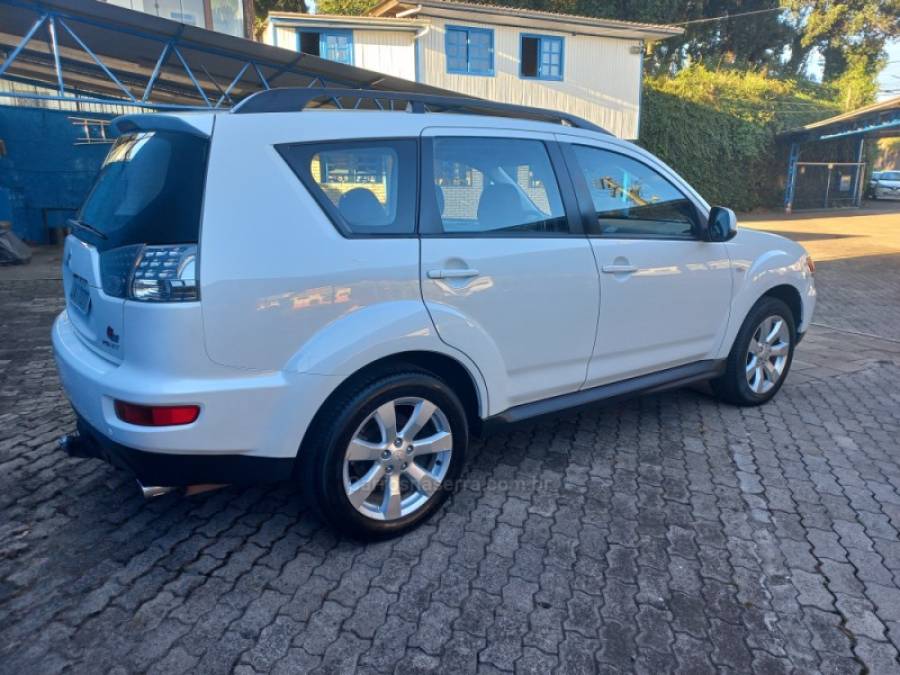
x=91 y=52
x=879 y=120
x=296 y=100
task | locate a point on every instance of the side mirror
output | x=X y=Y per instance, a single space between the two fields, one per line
x=721 y=224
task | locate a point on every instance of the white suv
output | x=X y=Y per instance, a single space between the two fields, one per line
x=340 y=297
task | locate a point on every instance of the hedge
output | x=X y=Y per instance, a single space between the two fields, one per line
x=718 y=130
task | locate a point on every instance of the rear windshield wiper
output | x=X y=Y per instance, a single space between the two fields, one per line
x=81 y=225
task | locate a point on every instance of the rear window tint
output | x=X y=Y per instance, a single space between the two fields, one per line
x=365 y=187
x=149 y=191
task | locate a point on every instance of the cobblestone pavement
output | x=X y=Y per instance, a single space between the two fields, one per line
x=858 y=263
x=669 y=533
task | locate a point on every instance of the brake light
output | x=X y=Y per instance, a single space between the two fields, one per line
x=810 y=265
x=151 y=273
x=156 y=415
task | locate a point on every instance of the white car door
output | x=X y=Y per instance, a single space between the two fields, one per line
x=507 y=274
x=665 y=294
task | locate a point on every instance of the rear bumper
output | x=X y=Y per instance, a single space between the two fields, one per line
x=156 y=468
x=244 y=415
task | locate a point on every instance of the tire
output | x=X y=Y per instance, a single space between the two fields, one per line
x=361 y=415
x=738 y=385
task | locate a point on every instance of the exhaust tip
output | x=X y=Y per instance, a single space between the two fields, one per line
x=151 y=491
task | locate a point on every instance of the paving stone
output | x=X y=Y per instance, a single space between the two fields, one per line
x=666 y=534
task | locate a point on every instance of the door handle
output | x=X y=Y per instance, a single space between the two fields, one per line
x=464 y=273
x=619 y=269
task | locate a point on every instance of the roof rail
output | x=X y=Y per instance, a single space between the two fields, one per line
x=290 y=99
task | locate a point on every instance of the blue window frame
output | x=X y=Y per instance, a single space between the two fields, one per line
x=470 y=51
x=541 y=57
x=331 y=44
x=337 y=46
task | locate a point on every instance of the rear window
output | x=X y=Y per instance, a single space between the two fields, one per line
x=149 y=191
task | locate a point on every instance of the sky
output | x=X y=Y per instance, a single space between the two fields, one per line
x=889 y=79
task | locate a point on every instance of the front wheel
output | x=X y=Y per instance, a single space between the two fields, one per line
x=386 y=454
x=761 y=355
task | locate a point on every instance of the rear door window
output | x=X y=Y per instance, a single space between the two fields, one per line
x=365 y=187
x=496 y=187
x=149 y=191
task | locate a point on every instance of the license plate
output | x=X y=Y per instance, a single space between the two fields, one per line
x=80 y=295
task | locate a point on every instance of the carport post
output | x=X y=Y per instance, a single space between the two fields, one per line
x=791 y=177
x=859 y=180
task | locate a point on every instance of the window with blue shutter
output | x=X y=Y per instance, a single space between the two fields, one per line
x=334 y=45
x=337 y=46
x=469 y=51
x=541 y=57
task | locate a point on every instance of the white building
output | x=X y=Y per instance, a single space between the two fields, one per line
x=586 y=66
x=232 y=17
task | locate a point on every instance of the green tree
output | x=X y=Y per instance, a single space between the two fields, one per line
x=754 y=40
x=772 y=35
x=261 y=9
x=850 y=34
x=748 y=34
x=348 y=7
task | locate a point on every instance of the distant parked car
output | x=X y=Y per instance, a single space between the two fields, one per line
x=886 y=185
x=339 y=297
x=870 y=187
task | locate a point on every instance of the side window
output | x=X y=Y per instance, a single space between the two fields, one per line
x=496 y=186
x=631 y=199
x=366 y=187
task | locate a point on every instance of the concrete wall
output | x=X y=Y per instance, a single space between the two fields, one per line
x=44 y=176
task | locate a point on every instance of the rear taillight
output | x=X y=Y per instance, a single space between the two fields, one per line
x=156 y=415
x=151 y=273
x=116 y=266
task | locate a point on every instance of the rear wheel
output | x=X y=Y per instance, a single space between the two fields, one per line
x=761 y=355
x=387 y=454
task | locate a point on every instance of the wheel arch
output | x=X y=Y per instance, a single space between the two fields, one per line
x=786 y=292
x=790 y=296
x=452 y=371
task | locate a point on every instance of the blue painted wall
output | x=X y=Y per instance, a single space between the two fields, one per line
x=44 y=175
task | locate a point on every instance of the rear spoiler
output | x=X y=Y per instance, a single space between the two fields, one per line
x=127 y=124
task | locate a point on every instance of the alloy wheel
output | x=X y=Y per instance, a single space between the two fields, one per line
x=397 y=458
x=767 y=354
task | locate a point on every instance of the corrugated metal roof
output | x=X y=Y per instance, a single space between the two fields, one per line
x=335 y=19
x=861 y=115
x=647 y=30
